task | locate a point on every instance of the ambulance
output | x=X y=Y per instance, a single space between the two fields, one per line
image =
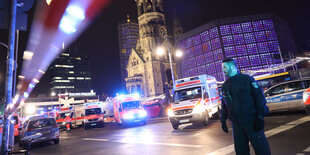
x=127 y=109
x=195 y=99
x=73 y=115
x=94 y=115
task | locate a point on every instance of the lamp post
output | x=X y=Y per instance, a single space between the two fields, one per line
x=178 y=53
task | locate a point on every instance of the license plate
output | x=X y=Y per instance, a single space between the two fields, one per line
x=184 y=121
x=93 y=124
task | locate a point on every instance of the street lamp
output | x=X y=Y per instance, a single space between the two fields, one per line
x=178 y=53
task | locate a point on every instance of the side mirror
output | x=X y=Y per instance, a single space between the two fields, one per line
x=103 y=112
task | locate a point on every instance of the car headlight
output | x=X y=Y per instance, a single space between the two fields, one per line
x=142 y=113
x=170 y=113
x=63 y=123
x=198 y=109
x=305 y=96
x=128 y=115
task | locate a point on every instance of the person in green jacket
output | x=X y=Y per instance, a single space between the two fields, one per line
x=244 y=104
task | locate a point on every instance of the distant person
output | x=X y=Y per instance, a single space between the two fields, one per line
x=167 y=94
x=244 y=104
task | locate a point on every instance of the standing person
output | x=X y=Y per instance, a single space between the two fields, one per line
x=244 y=104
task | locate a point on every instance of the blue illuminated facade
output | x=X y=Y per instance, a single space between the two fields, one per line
x=253 y=41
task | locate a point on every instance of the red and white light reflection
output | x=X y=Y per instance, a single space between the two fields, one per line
x=59 y=22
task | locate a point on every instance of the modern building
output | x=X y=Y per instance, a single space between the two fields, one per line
x=254 y=41
x=70 y=73
x=128 y=33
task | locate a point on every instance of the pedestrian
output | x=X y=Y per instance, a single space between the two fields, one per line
x=244 y=104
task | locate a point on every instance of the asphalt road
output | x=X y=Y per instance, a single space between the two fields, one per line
x=288 y=134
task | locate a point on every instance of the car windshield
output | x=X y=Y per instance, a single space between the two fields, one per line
x=63 y=115
x=92 y=111
x=131 y=105
x=187 y=94
x=41 y=123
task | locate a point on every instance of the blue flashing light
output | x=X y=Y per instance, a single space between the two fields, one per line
x=120 y=97
x=31 y=85
x=136 y=95
x=72 y=18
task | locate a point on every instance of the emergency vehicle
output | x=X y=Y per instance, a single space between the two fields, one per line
x=127 y=109
x=94 y=115
x=17 y=124
x=195 y=99
x=73 y=116
x=306 y=100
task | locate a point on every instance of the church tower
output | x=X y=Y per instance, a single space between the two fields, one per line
x=149 y=71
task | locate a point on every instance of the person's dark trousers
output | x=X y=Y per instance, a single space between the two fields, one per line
x=243 y=133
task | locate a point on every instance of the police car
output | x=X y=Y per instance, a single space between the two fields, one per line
x=287 y=95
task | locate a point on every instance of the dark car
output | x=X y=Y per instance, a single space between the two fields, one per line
x=45 y=127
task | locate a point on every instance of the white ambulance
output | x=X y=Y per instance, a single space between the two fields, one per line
x=73 y=115
x=195 y=99
x=94 y=115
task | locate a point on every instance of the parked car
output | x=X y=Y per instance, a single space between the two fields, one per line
x=287 y=95
x=45 y=126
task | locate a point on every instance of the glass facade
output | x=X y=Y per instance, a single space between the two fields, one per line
x=254 y=45
x=128 y=33
x=70 y=73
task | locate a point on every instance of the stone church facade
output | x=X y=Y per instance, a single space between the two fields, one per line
x=147 y=71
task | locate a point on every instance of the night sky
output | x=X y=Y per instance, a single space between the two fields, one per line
x=100 y=40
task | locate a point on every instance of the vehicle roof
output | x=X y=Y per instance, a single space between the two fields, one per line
x=38 y=118
x=304 y=79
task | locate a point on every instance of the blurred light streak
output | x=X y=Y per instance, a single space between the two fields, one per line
x=46 y=39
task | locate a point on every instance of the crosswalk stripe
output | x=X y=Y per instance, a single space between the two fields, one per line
x=307 y=149
x=230 y=148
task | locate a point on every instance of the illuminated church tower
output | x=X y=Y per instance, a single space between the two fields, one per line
x=147 y=71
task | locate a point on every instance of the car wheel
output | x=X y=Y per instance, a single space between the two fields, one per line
x=56 y=141
x=20 y=144
x=101 y=125
x=85 y=126
x=175 y=126
x=307 y=109
x=217 y=115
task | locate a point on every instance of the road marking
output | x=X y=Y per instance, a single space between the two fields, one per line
x=64 y=137
x=166 y=144
x=307 y=149
x=96 y=139
x=230 y=148
x=147 y=143
x=286 y=126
